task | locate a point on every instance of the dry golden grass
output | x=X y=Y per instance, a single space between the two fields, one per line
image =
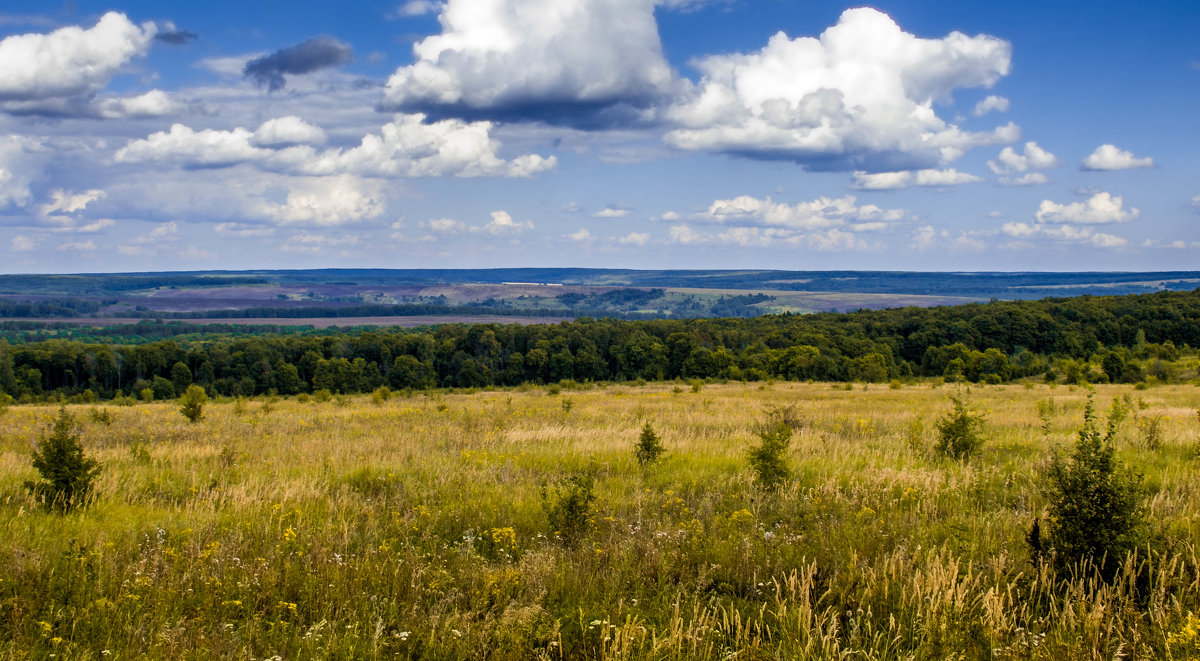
x=414 y=528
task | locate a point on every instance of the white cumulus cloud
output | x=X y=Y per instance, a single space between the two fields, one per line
x=1034 y=158
x=861 y=96
x=59 y=73
x=287 y=131
x=1101 y=208
x=992 y=103
x=446 y=225
x=1109 y=157
x=553 y=61
x=1063 y=234
x=503 y=223
x=155 y=103
x=21 y=161
x=418 y=8
x=325 y=202
x=685 y=235
x=62 y=202
x=906 y=178
x=634 y=239
x=1027 y=179
x=612 y=211
x=406 y=147
x=824 y=212
x=70 y=61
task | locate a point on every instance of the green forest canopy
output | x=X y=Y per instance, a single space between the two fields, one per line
x=1096 y=338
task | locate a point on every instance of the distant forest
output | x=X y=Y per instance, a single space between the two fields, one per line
x=1114 y=338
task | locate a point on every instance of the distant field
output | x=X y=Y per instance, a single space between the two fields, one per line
x=617 y=293
x=321 y=322
x=817 y=301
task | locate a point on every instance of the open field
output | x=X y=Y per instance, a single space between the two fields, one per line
x=415 y=527
x=570 y=293
x=323 y=322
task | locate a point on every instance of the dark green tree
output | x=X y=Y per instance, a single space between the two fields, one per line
x=191 y=403
x=568 y=503
x=959 y=430
x=767 y=458
x=649 y=446
x=1096 y=505
x=181 y=376
x=67 y=475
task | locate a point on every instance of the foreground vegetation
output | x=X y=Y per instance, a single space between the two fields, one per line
x=532 y=523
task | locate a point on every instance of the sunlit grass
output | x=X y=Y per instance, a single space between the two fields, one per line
x=414 y=527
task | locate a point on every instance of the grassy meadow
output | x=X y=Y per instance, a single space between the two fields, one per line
x=416 y=527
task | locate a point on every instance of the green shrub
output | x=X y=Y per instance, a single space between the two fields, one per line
x=381 y=395
x=191 y=404
x=101 y=416
x=959 y=431
x=767 y=458
x=649 y=446
x=67 y=474
x=1095 y=504
x=788 y=414
x=567 y=503
x=1150 y=431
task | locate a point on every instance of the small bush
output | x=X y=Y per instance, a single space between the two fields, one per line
x=649 y=446
x=1046 y=410
x=101 y=416
x=67 y=475
x=959 y=431
x=788 y=414
x=767 y=458
x=1150 y=431
x=1096 y=508
x=381 y=395
x=914 y=437
x=191 y=404
x=568 y=503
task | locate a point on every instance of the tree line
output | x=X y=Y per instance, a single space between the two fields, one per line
x=1117 y=338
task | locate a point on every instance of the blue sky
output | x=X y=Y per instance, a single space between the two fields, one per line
x=607 y=133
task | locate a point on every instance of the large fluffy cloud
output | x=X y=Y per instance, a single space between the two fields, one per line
x=859 y=97
x=569 y=60
x=325 y=201
x=1101 y=208
x=1070 y=224
x=405 y=147
x=1109 y=157
x=60 y=73
x=70 y=61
